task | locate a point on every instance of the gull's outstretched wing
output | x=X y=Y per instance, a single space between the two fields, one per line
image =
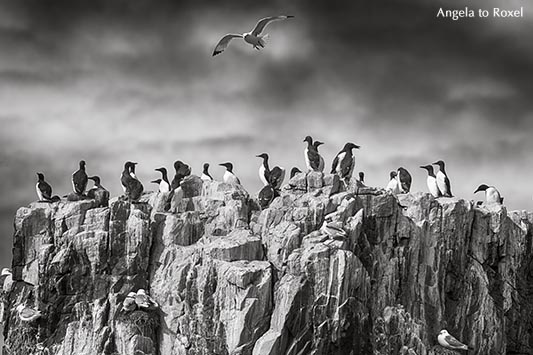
x=224 y=42
x=264 y=22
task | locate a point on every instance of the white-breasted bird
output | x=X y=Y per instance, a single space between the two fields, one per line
x=254 y=37
x=431 y=181
x=205 y=173
x=143 y=300
x=80 y=179
x=344 y=162
x=229 y=177
x=27 y=314
x=492 y=195
x=443 y=182
x=164 y=183
x=44 y=190
x=449 y=342
x=393 y=185
x=129 y=304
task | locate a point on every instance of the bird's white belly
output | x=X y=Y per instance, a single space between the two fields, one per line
x=262 y=175
x=441 y=183
x=432 y=186
x=307 y=161
x=164 y=186
x=39 y=193
x=492 y=195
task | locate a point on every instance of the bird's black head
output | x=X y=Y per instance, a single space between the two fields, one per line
x=228 y=166
x=263 y=155
x=95 y=178
x=429 y=168
x=178 y=164
x=128 y=165
x=40 y=176
x=206 y=166
x=361 y=176
x=295 y=171
x=440 y=164
x=162 y=170
x=481 y=187
x=316 y=144
x=349 y=146
x=308 y=139
x=156 y=181
x=393 y=174
x=82 y=164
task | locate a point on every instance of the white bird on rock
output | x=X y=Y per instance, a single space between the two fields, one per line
x=254 y=37
x=143 y=300
x=27 y=314
x=449 y=342
x=6 y=280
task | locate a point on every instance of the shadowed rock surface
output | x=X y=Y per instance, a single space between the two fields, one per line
x=231 y=278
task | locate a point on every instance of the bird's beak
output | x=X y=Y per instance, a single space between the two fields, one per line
x=435 y=163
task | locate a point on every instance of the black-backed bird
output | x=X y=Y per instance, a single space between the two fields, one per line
x=182 y=170
x=393 y=185
x=344 y=162
x=431 y=181
x=254 y=37
x=80 y=179
x=229 y=177
x=264 y=169
x=404 y=180
x=205 y=173
x=321 y=164
x=362 y=177
x=44 y=190
x=492 y=195
x=164 y=184
x=98 y=192
x=443 y=182
x=312 y=158
x=294 y=172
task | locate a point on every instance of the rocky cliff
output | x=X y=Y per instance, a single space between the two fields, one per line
x=233 y=279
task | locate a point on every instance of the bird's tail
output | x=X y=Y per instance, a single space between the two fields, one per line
x=263 y=40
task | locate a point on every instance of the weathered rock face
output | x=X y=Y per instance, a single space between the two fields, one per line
x=232 y=279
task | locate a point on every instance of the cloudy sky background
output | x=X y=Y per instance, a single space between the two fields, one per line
x=110 y=81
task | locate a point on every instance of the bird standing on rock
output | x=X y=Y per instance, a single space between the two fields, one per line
x=321 y=163
x=449 y=342
x=80 y=179
x=272 y=177
x=133 y=188
x=205 y=173
x=393 y=185
x=182 y=171
x=164 y=184
x=27 y=314
x=404 y=180
x=312 y=158
x=431 y=181
x=344 y=162
x=443 y=182
x=229 y=177
x=44 y=190
x=98 y=192
x=253 y=37
x=492 y=195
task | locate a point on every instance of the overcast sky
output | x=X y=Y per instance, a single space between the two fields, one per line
x=110 y=81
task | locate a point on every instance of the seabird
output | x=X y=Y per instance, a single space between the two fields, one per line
x=205 y=173
x=129 y=304
x=6 y=280
x=143 y=300
x=44 y=190
x=431 y=181
x=492 y=195
x=27 y=314
x=344 y=162
x=126 y=176
x=80 y=179
x=264 y=170
x=362 y=177
x=277 y=175
x=229 y=177
x=266 y=196
x=133 y=188
x=182 y=170
x=312 y=158
x=404 y=180
x=449 y=342
x=164 y=184
x=443 y=182
x=393 y=185
x=295 y=171
x=321 y=164
x=254 y=37
x=98 y=192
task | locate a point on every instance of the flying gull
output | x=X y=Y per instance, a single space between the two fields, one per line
x=254 y=37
